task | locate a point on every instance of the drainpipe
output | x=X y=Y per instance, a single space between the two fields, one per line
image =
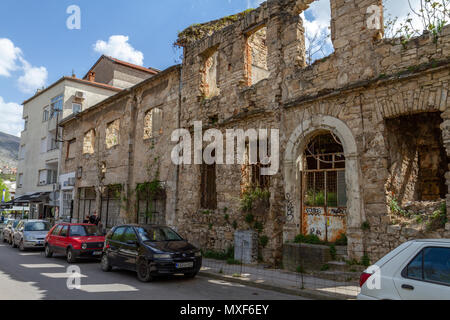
x=180 y=87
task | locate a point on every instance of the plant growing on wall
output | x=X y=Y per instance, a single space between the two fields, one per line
x=430 y=15
x=253 y=197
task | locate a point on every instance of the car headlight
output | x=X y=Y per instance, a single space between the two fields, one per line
x=162 y=256
x=198 y=254
x=84 y=246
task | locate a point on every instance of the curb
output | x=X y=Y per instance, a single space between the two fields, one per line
x=306 y=293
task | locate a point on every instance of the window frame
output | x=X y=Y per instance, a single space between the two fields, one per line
x=69 y=144
x=404 y=272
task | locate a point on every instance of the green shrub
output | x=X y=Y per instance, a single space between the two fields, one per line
x=259 y=226
x=249 y=218
x=365 y=261
x=365 y=226
x=333 y=252
x=219 y=255
x=233 y=261
x=310 y=238
x=235 y=225
x=250 y=196
x=325 y=267
x=264 y=240
x=438 y=219
x=300 y=269
x=342 y=240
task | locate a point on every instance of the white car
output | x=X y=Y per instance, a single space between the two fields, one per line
x=416 y=270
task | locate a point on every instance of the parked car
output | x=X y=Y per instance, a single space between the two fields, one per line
x=150 y=251
x=74 y=241
x=416 y=270
x=2 y=227
x=8 y=231
x=30 y=234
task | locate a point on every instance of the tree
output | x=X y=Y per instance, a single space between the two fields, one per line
x=4 y=187
x=316 y=45
x=430 y=16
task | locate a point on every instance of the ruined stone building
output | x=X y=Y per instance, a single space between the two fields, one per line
x=364 y=135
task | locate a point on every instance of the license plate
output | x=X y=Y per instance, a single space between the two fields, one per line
x=184 y=265
x=97 y=253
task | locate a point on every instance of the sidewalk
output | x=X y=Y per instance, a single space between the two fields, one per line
x=280 y=280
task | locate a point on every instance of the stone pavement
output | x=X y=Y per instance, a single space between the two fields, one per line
x=281 y=280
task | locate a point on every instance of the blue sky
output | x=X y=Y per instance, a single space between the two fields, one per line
x=36 y=47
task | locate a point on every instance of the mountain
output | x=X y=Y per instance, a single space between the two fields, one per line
x=9 y=150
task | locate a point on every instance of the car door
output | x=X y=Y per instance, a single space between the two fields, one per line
x=426 y=276
x=128 y=251
x=114 y=245
x=53 y=240
x=63 y=238
x=17 y=233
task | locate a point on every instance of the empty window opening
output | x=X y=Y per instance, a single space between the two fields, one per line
x=256 y=56
x=414 y=18
x=418 y=161
x=209 y=73
x=89 y=142
x=112 y=134
x=251 y=172
x=316 y=21
x=153 y=123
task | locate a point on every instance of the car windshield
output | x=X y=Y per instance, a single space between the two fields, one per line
x=37 y=226
x=84 y=231
x=158 y=234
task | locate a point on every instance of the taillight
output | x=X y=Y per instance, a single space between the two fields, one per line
x=364 y=277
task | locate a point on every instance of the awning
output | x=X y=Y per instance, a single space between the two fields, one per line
x=34 y=197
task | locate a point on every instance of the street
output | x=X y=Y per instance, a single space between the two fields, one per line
x=29 y=275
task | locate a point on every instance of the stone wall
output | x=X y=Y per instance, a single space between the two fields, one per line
x=355 y=93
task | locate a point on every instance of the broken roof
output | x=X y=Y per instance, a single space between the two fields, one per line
x=200 y=30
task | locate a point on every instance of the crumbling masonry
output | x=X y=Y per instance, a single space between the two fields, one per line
x=361 y=130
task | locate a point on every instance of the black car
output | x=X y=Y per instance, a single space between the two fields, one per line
x=150 y=251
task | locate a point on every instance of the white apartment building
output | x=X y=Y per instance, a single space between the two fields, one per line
x=38 y=181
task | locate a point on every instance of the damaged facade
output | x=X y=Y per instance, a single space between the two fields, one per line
x=364 y=135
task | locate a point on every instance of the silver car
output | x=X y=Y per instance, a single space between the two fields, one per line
x=30 y=234
x=3 y=225
x=8 y=231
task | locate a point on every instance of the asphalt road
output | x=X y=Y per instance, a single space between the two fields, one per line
x=29 y=275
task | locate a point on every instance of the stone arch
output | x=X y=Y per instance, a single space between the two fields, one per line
x=295 y=146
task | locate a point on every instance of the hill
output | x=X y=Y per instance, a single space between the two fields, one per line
x=9 y=150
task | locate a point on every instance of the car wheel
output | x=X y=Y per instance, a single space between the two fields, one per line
x=106 y=266
x=143 y=271
x=70 y=256
x=190 y=275
x=48 y=251
x=21 y=246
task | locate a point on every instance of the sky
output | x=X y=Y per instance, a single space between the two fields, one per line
x=37 y=48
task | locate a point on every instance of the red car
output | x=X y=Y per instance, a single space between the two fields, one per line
x=74 y=240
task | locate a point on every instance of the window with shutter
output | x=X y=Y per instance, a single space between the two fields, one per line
x=208 y=187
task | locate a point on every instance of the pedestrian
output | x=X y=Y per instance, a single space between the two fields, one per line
x=94 y=219
x=86 y=220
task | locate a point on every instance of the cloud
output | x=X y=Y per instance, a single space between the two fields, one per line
x=33 y=78
x=9 y=54
x=12 y=122
x=118 y=47
x=11 y=59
